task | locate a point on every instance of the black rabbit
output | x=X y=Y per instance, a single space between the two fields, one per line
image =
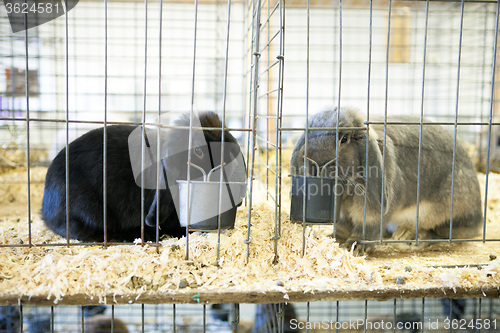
x=123 y=213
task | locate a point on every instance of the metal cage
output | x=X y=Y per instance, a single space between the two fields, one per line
x=264 y=67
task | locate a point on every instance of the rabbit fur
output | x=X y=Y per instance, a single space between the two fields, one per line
x=392 y=194
x=123 y=194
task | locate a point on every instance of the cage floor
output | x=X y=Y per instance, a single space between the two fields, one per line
x=161 y=274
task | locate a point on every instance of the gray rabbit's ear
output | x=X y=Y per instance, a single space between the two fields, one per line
x=373 y=174
x=297 y=159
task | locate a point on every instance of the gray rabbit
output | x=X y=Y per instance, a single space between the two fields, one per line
x=397 y=173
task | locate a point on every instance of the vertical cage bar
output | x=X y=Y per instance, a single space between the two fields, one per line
x=423 y=314
x=368 y=94
x=268 y=95
x=235 y=317
x=455 y=126
x=337 y=316
x=52 y=314
x=450 y=314
x=384 y=144
x=248 y=82
x=268 y=127
x=254 y=110
x=143 y=321
x=308 y=315
x=112 y=318
x=279 y=112
x=66 y=160
x=250 y=30
x=490 y=312
x=394 y=316
x=191 y=115
x=21 y=317
x=105 y=132
x=204 y=321
x=338 y=117
x=278 y=124
x=27 y=96
x=366 y=312
x=480 y=312
x=158 y=129
x=223 y=126
x=281 y=317
x=82 y=319
x=144 y=110
x=483 y=86
x=490 y=118
x=306 y=139
x=174 y=319
x=420 y=134
x=12 y=80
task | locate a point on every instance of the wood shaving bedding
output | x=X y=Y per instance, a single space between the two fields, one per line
x=13 y=156
x=161 y=274
x=13 y=189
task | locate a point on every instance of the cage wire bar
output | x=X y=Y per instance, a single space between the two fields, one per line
x=370 y=44
x=271 y=100
x=158 y=142
x=224 y=93
x=306 y=141
x=144 y=107
x=421 y=123
x=26 y=88
x=490 y=118
x=384 y=142
x=105 y=145
x=335 y=203
x=456 y=118
x=255 y=9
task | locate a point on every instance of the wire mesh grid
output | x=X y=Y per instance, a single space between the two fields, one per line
x=141 y=63
x=414 y=315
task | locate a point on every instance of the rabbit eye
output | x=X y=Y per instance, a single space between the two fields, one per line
x=344 y=139
x=198 y=152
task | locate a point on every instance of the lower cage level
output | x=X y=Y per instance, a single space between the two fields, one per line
x=47 y=283
x=405 y=315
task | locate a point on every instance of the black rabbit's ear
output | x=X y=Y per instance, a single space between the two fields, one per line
x=151 y=217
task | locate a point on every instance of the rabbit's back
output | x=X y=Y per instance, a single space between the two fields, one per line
x=431 y=147
x=429 y=160
x=86 y=191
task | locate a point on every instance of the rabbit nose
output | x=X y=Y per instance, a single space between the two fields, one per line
x=326 y=168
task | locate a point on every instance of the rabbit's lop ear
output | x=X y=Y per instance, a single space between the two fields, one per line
x=373 y=174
